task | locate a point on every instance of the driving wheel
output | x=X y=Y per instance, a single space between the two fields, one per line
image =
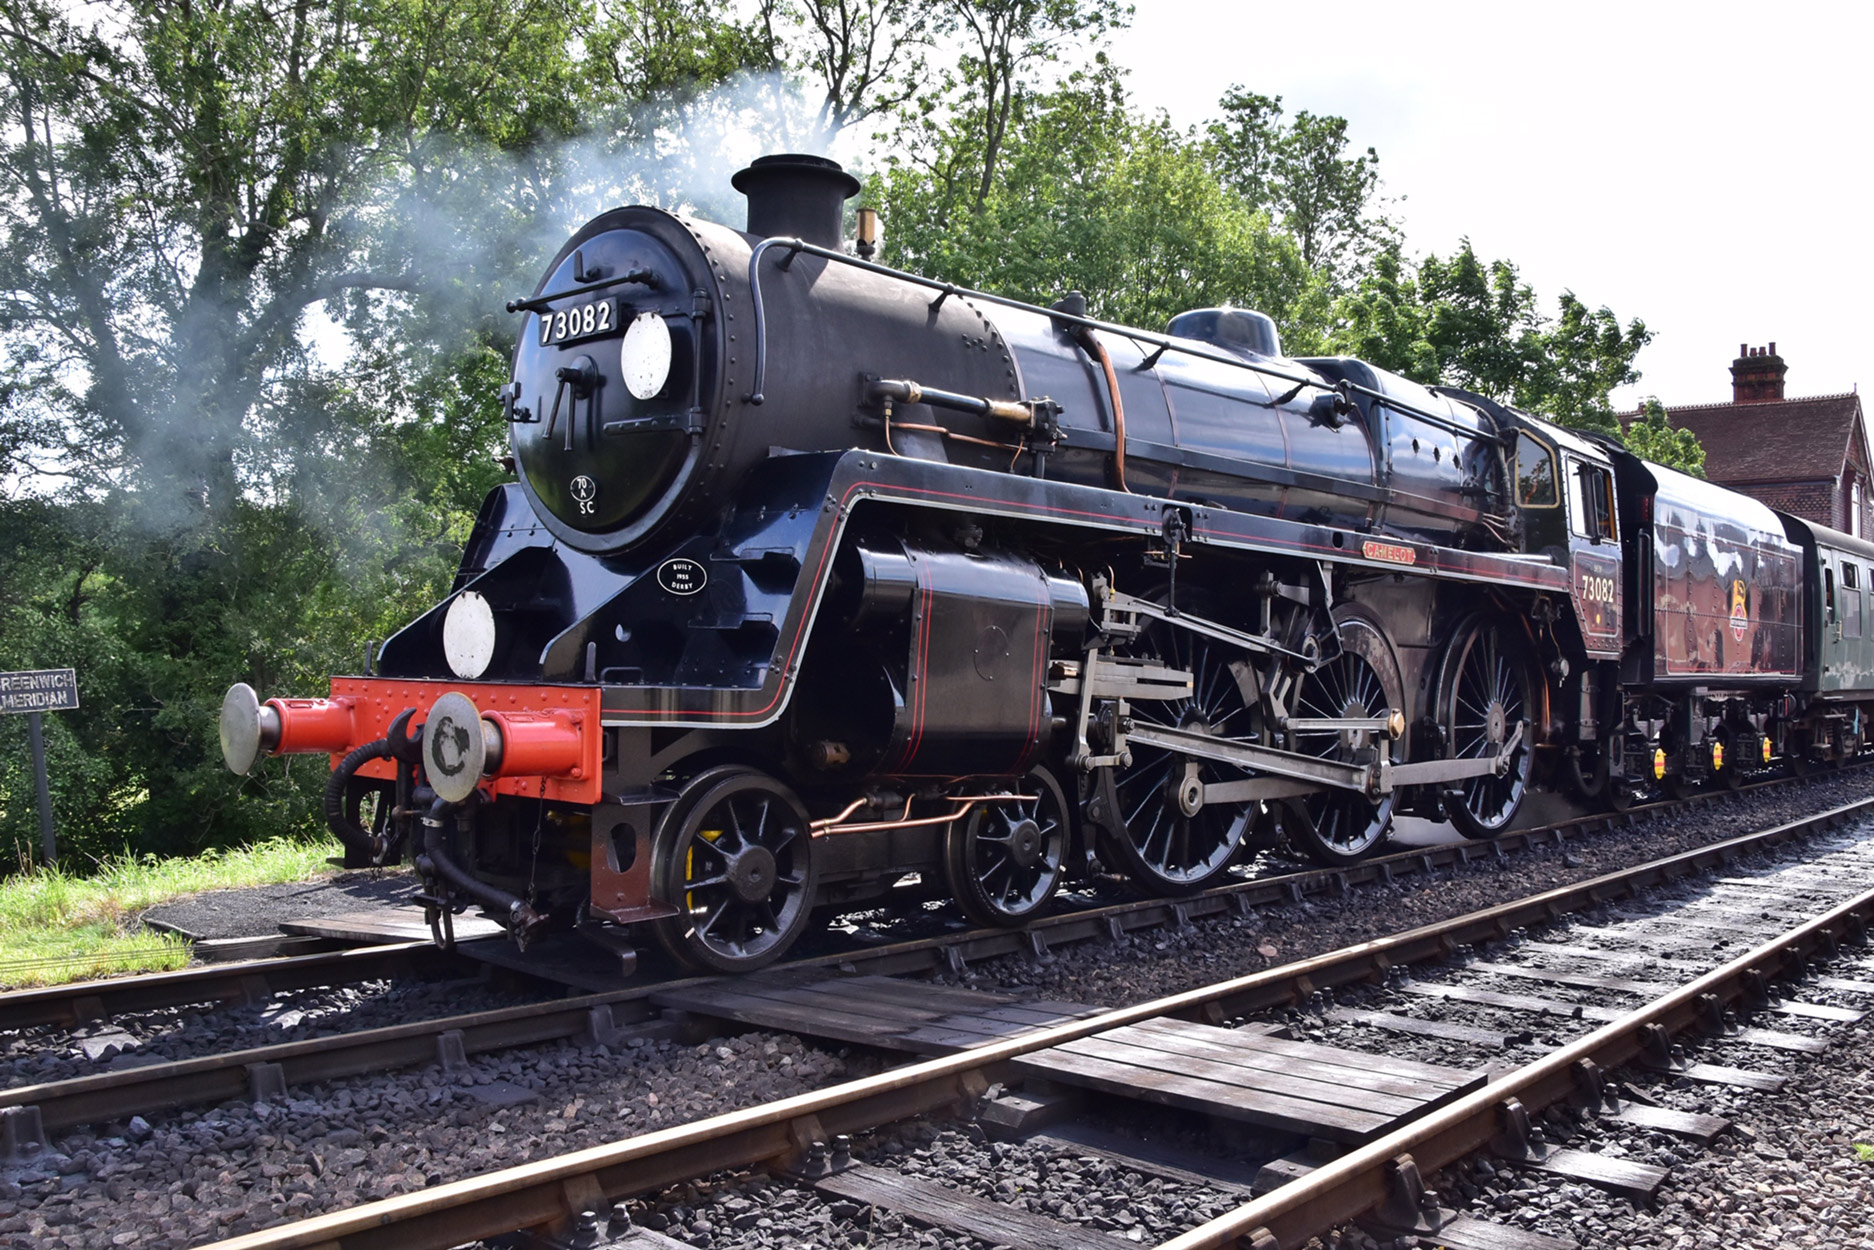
x=1175 y=841
x=1336 y=826
x=1486 y=699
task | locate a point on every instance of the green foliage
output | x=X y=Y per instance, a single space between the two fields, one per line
x=1466 y=322
x=1094 y=197
x=1654 y=437
x=1302 y=174
x=868 y=57
x=196 y=497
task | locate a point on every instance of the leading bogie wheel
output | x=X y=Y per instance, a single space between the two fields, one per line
x=1006 y=857
x=1174 y=841
x=735 y=856
x=1487 y=694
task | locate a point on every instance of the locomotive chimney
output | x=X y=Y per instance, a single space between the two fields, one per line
x=1757 y=375
x=796 y=196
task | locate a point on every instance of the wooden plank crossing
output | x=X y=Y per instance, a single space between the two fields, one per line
x=912 y=1016
x=1297 y=1087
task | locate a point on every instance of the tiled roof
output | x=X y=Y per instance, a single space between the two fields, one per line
x=1776 y=440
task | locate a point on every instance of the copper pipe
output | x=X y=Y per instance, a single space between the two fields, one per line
x=1099 y=352
x=891 y=425
x=850 y=808
x=874 y=826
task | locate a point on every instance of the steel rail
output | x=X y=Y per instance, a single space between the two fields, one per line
x=232 y=1074
x=245 y=980
x=1359 y=1181
x=549 y=1193
x=81 y=1002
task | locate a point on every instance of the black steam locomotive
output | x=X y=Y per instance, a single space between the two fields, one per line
x=816 y=575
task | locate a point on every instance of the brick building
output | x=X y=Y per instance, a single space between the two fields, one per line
x=1804 y=456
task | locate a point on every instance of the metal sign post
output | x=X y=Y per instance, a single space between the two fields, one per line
x=36 y=693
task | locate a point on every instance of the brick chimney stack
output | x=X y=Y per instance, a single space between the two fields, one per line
x=1757 y=375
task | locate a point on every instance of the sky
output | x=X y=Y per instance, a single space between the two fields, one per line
x=1705 y=167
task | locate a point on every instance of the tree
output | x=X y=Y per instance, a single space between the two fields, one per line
x=201 y=495
x=1475 y=324
x=1654 y=437
x=1303 y=174
x=868 y=57
x=1094 y=198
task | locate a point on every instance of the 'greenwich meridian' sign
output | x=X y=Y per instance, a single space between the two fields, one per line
x=42 y=690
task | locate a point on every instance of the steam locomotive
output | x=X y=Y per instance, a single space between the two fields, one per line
x=818 y=579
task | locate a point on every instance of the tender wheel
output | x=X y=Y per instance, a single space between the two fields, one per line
x=1737 y=761
x=735 y=856
x=1487 y=692
x=1005 y=860
x=1337 y=827
x=1620 y=795
x=1174 y=841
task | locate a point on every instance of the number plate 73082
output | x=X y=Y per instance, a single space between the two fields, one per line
x=578 y=322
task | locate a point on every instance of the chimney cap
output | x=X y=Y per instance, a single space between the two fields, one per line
x=796 y=162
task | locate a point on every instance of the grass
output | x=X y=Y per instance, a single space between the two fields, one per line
x=1864 y=1152
x=57 y=927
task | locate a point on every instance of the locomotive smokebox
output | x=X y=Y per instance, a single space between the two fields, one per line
x=796 y=196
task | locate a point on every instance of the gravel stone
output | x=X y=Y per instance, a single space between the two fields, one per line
x=205 y=1173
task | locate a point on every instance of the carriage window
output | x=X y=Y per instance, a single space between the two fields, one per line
x=1828 y=592
x=1535 y=474
x=1850 y=601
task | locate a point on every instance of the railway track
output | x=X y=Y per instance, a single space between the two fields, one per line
x=643 y=1010
x=235 y=976
x=1381 y=1178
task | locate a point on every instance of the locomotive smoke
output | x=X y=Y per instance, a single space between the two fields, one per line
x=481 y=233
x=479 y=226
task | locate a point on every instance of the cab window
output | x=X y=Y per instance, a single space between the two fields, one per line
x=1590 y=501
x=1535 y=474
